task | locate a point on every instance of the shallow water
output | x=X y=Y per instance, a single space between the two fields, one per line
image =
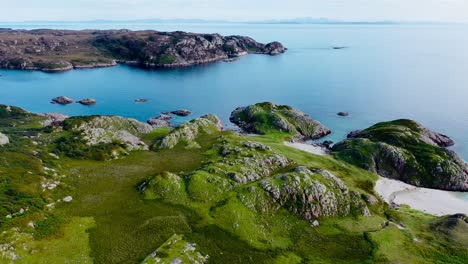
x=387 y=72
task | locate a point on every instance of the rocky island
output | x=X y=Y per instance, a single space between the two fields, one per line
x=109 y=189
x=62 y=50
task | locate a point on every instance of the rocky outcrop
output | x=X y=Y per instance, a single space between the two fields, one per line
x=263 y=118
x=176 y=250
x=63 y=100
x=247 y=162
x=4 y=140
x=54 y=119
x=405 y=150
x=313 y=193
x=61 y=50
x=160 y=121
x=188 y=132
x=87 y=101
x=106 y=129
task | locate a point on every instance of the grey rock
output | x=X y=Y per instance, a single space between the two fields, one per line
x=162 y=120
x=87 y=101
x=4 y=140
x=182 y=112
x=63 y=100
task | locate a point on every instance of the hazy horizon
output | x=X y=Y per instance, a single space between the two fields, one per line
x=351 y=10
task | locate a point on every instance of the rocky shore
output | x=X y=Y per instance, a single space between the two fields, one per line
x=62 y=50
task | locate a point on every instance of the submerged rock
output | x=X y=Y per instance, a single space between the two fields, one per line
x=4 y=140
x=405 y=150
x=63 y=100
x=141 y=100
x=343 y=114
x=87 y=101
x=182 y=112
x=267 y=117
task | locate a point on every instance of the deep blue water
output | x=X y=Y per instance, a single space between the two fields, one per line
x=388 y=72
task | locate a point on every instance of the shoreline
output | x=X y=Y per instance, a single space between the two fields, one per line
x=307 y=148
x=435 y=202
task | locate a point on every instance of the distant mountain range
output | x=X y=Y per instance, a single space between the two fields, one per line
x=305 y=20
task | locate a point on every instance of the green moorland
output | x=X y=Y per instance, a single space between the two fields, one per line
x=84 y=205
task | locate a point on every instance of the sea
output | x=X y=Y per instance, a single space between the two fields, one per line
x=385 y=72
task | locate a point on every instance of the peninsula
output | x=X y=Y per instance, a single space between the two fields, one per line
x=62 y=50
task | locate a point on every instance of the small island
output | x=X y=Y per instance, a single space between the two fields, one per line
x=62 y=50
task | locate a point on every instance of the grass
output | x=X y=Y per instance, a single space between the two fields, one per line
x=110 y=221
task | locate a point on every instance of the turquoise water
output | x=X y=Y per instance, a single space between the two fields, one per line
x=388 y=72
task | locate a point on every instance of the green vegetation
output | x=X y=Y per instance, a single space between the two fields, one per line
x=403 y=149
x=209 y=199
x=266 y=118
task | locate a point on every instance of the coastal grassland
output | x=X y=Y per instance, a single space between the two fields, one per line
x=71 y=246
x=124 y=209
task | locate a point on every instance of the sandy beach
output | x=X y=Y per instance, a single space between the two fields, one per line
x=306 y=147
x=431 y=201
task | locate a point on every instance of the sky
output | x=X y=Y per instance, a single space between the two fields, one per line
x=236 y=10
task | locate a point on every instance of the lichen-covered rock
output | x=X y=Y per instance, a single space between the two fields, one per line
x=247 y=162
x=312 y=194
x=4 y=140
x=176 y=251
x=267 y=117
x=54 y=119
x=406 y=151
x=106 y=129
x=188 y=132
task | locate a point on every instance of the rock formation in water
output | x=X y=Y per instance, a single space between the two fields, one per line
x=267 y=117
x=63 y=100
x=406 y=151
x=62 y=50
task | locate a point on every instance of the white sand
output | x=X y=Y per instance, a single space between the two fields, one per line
x=431 y=201
x=307 y=148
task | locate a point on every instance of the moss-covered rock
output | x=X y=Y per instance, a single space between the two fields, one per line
x=264 y=118
x=188 y=132
x=313 y=193
x=406 y=151
x=97 y=130
x=176 y=250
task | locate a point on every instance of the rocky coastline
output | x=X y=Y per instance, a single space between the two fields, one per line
x=63 y=50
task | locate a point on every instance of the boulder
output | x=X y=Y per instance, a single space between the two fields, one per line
x=63 y=100
x=87 y=101
x=263 y=118
x=405 y=150
x=4 y=140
